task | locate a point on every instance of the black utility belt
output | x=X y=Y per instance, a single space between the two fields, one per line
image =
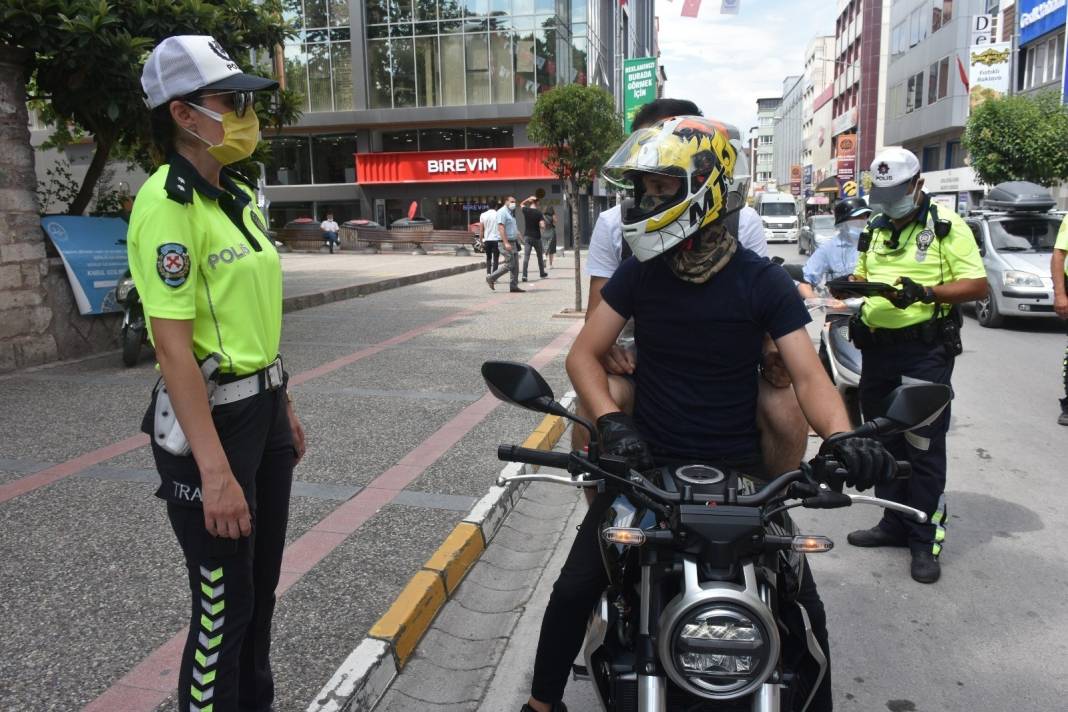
x=942 y=331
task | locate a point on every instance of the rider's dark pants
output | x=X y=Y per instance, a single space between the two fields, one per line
x=576 y=592
x=885 y=367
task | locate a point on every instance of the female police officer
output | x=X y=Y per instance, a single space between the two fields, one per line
x=224 y=437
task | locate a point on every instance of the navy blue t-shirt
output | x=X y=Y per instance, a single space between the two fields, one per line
x=699 y=346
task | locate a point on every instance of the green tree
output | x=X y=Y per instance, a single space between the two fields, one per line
x=85 y=59
x=1019 y=138
x=580 y=127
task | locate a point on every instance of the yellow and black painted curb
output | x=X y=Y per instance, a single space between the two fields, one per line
x=370 y=669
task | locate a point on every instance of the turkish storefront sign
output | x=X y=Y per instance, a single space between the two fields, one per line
x=453 y=166
x=988 y=75
x=94 y=257
x=806 y=176
x=844 y=122
x=795 y=179
x=983 y=30
x=639 y=86
x=846 y=148
x=1037 y=17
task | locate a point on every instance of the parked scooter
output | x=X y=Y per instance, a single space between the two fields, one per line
x=134 y=331
x=701 y=562
x=839 y=356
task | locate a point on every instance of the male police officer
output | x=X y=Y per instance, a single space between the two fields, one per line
x=911 y=334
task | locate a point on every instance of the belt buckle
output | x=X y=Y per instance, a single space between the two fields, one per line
x=273 y=377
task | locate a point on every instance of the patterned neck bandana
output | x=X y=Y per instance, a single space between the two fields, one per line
x=703 y=255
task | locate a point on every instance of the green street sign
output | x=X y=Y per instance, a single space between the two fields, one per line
x=639 y=86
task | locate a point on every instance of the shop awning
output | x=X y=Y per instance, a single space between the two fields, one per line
x=828 y=185
x=453 y=166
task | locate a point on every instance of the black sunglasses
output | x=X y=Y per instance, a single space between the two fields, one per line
x=242 y=100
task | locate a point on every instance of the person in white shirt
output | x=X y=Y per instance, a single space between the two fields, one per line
x=490 y=238
x=783 y=426
x=330 y=230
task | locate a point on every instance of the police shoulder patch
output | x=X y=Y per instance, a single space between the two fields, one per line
x=172 y=264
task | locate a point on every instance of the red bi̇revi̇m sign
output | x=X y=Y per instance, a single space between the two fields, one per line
x=453 y=166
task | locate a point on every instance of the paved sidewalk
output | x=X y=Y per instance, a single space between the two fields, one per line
x=479 y=653
x=313 y=279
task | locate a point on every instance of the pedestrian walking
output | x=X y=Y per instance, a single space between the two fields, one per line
x=912 y=334
x=330 y=230
x=508 y=240
x=490 y=239
x=533 y=222
x=548 y=234
x=224 y=434
x=1059 y=272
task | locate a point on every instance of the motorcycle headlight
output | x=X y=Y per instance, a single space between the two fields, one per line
x=122 y=289
x=721 y=649
x=1022 y=279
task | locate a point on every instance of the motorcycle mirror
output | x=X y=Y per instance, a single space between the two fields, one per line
x=521 y=385
x=914 y=406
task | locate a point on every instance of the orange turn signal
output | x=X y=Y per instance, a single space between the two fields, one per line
x=812 y=544
x=624 y=535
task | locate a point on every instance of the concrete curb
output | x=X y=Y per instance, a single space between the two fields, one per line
x=370 y=669
x=317 y=299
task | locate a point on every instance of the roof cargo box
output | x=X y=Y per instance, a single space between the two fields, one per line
x=1018 y=195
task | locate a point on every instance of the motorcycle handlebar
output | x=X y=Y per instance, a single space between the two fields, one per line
x=544 y=458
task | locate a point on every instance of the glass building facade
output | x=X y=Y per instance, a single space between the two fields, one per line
x=414 y=76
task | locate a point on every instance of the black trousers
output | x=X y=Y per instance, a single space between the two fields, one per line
x=885 y=368
x=581 y=582
x=493 y=254
x=226 y=662
x=535 y=244
x=1064 y=370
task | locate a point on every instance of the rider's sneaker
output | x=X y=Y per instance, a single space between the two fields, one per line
x=925 y=567
x=557 y=707
x=876 y=536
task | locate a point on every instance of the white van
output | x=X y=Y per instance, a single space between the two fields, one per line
x=780 y=214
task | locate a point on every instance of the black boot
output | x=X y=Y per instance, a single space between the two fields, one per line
x=925 y=567
x=876 y=536
x=557 y=707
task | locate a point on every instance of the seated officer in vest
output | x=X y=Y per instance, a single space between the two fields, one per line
x=911 y=334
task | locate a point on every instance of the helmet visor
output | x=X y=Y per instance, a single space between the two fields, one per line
x=651 y=150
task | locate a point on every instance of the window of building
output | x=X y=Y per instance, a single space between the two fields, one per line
x=954 y=155
x=930 y=158
x=490 y=137
x=943 y=78
x=441 y=139
x=290 y=162
x=318 y=61
x=406 y=140
x=333 y=159
x=914 y=93
x=938 y=80
x=1043 y=62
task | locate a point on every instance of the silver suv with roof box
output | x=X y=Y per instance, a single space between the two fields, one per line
x=1015 y=230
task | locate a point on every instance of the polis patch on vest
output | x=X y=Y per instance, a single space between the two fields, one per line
x=172 y=264
x=923 y=243
x=228 y=255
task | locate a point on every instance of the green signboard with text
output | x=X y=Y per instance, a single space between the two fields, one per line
x=639 y=86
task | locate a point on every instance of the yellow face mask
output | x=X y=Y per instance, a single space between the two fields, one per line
x=241 y=135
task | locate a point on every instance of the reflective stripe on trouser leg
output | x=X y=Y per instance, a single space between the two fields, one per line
x=206 y=656
x=939 y=520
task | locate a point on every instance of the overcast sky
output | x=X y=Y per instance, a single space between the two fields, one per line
x=724 y=62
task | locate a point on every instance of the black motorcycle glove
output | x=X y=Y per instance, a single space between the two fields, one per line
x=620 y=437
x=910 y=293
x=866 y=461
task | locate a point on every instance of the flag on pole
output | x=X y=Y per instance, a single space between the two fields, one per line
x=690 y=8
x=963 y=75
x=729 y=7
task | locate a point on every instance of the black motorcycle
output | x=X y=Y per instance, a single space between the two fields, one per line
x=134 y=332
x=702 y=565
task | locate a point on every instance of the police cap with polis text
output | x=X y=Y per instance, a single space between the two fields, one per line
x=891 y=172
x=183 y=64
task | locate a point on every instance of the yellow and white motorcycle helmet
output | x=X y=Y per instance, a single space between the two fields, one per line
x=694 y=150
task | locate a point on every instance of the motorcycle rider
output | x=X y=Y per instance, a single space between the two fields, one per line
x=838 y=257
x=912 y=334
x=701 y=309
